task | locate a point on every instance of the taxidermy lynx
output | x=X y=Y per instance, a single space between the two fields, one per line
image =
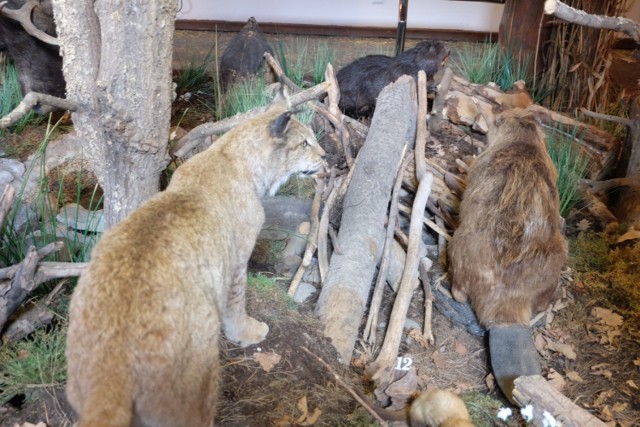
x=145 y=318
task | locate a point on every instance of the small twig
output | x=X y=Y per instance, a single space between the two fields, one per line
x=340 y=381
x=334 y=241
x=369 y=334
x=199 y=133
x=31 y=100
x=323 y=228
x=311 y=240
x=608 y=117
x=275 y=65
x=442 y=243
x=392 y=338
x=423 y=271
x=429 y=223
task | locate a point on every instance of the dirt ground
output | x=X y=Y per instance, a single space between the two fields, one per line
x=592 y=353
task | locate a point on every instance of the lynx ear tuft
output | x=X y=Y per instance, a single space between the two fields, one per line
x=279 y=126
x=282 y=98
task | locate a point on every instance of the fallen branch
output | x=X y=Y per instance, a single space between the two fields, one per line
x=423 y=272
x=580 y=17
x=200 y=133
x=437 y=110
x=31 y=100
x=536 y=391
x=340 y=381
x=312 y=238
x=323 y=228
x=29 y=274
x=608 y=117
x=23 y=16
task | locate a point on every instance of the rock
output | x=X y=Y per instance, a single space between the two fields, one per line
x=412 y=324
x=304 y=291
x=5 y=178
x=15 y=167
x=78 y=218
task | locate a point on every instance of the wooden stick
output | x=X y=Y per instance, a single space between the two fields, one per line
x=535 y=390
x=580 y=17
x=199 y=133
x=422 y=133
x=389 y=350
x=311 y=240
x=275 y=65
x=378 y=290
x=423 y=272
x=432 y=225
x=31 y=100
x=340 y=381
x=607 y=117
x=323 y=229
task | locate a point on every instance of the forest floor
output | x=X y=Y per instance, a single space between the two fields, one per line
x=589 y=342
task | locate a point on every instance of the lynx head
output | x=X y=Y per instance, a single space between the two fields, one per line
x=296 y=150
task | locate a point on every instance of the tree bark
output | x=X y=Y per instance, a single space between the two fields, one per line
x=520 y=29
x=344 y=294
x=117 y=64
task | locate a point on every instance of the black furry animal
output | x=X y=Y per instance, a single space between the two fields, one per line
x=361 y=81
x=39 y=64
x=244 y=55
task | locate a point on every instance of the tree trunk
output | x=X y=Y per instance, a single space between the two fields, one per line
x=117 y=64
x=345 y=291
x=519 y=27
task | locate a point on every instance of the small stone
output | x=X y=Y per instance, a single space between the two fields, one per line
x=411 y=324
x=76 y=217
x=5 y=178
x=14 y=167
x=304 y=291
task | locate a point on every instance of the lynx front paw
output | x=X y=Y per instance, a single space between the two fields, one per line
x=249 y=331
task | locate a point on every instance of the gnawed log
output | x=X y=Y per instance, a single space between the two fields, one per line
x=345 y=291
x=475 y=105
x=536 y=391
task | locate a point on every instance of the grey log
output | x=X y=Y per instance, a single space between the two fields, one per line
x=345 y=291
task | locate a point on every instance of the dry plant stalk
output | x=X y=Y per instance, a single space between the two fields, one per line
x=580 y=59
x=323 y=229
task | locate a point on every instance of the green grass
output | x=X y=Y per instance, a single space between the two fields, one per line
x=30 y=365
x=14 y=244
x=245 y=95
x=571 y=163
x=195 y=76
x=267 y=288
x=302 y=62
x=10 y=97
x=482 y=63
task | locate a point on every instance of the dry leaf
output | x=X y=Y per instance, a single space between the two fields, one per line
x=574 y=68
x=600 y=366
x=438 y=359
x=40 y=424
x=313 y=418
x=584 y=225
x=556 y=380
x=605 y=413
x=605 y=373
x=302 y=407
x=490 y=381
x=629 y=235
x=541 y=345
x=602 y=397
x=565 y=349
x=631 y=384
x=267 y=360
x=460 y=348
x=574 y=376
x=620 y=407
x=636 y=362
x=283 y=422
x=607 y=317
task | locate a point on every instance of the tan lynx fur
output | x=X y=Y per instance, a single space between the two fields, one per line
x=145 y=318
x=509 y=250
x=439 y=408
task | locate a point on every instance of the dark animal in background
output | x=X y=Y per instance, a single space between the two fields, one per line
x=361 y=81
x=244 y=55
x=508 y=252
x=39 y=64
